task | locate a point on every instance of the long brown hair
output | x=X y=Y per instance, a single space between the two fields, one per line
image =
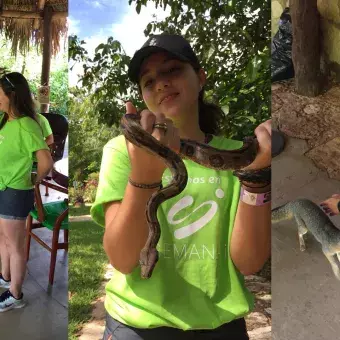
x=210 y=116
x=16 y=88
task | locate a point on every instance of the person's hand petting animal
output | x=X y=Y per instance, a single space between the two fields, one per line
x=331 y=206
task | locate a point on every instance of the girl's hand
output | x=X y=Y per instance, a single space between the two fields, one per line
x=330 y=206
x=264 y=156
x=146 y=167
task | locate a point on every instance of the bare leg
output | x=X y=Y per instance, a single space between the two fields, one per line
x=5 y=270
x=332 y=258
x=302 y=230
x=14 y=234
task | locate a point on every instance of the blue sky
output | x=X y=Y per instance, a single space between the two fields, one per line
x=95 y=21
x=94 y=16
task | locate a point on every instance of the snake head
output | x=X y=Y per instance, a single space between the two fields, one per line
x=148 y=260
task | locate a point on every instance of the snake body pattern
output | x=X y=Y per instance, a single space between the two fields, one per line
x=200 y=153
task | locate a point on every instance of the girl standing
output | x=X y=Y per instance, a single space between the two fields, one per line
x=21 y=142
x=210 y=233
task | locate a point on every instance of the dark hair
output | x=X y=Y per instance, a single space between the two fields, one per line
x=210 y=116
x=16 y=88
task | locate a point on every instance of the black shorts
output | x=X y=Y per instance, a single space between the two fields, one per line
x=115 y=330
x=16 y=204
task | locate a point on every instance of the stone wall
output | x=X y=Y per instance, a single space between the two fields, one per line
x=330 y=26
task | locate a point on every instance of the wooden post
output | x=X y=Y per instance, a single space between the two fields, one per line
x=47 y=52
x=39 y=7
x=306 y=47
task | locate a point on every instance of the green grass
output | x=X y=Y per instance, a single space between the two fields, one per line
x=87 y=261
x=80 y=211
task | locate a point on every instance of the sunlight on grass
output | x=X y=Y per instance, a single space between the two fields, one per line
x=87 y=262
x=79 y=211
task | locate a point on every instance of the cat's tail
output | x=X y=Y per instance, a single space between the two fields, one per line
x=282 y=213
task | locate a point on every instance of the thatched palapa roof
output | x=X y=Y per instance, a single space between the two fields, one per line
x=22 y=22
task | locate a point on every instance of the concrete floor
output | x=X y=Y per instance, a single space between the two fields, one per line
x=46 y=314
x=305 y=293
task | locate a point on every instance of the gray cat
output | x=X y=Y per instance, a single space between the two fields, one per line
x=309 y=217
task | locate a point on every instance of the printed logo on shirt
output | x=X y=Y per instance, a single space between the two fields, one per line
x=197 y=180
x=188 y=201
x=192 y=251
x=193 y=227
x=193 y=222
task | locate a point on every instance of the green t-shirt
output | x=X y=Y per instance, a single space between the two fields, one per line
x=19 y=140
x=45 y=125
x=195 y=284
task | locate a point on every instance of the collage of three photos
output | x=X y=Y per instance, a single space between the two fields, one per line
x=169 y=169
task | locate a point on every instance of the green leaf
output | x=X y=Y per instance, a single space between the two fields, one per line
x=138 y=7
x=99 y=47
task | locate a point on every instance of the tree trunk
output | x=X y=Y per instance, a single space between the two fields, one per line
x=306 y=47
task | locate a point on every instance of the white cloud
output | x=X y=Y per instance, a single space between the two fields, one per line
x=91 y=43
x=100 y=3
x=97 y=4
x=74 y=74
x=130 y=30
x=73 y=26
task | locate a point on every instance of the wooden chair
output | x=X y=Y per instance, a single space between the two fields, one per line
x=59 y=125
x=52 y=215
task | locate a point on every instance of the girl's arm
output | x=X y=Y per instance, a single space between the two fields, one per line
x=45 y=164
x=251 y=238
x=126 y=228
x=49 y=140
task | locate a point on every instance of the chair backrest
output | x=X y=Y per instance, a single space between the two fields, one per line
x=59 y=126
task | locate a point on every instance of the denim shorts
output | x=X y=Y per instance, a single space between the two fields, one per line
x=16 y=204
x=115 y=330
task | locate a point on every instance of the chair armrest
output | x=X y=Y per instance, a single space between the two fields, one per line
x=55 y=187
x=61 y=218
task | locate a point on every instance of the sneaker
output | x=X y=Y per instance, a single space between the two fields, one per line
x=8 y=301
x=4 y=283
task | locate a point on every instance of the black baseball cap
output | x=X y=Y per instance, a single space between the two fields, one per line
x=173 y=44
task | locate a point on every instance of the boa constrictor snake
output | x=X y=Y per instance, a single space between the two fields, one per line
x=200 y=153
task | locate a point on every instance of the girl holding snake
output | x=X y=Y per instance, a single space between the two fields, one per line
x=212 y=234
